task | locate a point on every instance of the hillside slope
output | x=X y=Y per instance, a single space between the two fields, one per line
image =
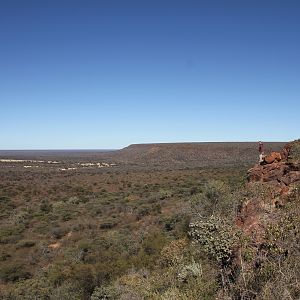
x=257 y=251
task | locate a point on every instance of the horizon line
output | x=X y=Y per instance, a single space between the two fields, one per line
x=148 y=143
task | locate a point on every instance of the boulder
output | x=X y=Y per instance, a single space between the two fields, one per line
x=269 y=172
x=273 y=157
x=275 y=173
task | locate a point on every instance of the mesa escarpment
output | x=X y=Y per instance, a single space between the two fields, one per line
x=182 y=155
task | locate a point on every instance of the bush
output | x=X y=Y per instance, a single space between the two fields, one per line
x=105 y=293
x=216 y=237
x=215 y=199
x=191 y=270
x=295 y=151
x=35 y=288
x=142 y=211
x=11 y=234
x=109 y=223
x=150 y=250
x=58 y=232
x=25 y=244
x=6 y=204
x=45 y=207
x=172 y=253
x=12 y=272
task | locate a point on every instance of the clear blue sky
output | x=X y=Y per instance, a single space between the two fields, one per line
x=105 y=74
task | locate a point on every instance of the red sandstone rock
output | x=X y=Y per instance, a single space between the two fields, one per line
x=277 y=174
x=265 y=173
x=273 y=157
x=276 y=177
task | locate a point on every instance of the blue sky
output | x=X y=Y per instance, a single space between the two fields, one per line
x=105 y=74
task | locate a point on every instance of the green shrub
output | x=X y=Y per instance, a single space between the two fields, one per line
x=165 y=194
x=6 y=204
x=109 y=223
x=4 y=255
x=215 y=199
x=105 y=293
x=45 y=206
x=187 y=271
x=25 y=244
x=295 y=151
x=35 y=288
x=58 y=232
x=143 y=210
x=11 y=272
x=216 y=237
x=11 y=234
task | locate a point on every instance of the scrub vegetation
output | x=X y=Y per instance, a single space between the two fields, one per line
x=149 y=233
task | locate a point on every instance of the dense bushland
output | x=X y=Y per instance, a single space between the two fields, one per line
x=141 y=234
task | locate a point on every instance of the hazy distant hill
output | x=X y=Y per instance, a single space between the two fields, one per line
x=192 y=154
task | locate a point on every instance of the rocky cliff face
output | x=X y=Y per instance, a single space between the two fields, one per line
x=271 y=183
x=268 y=217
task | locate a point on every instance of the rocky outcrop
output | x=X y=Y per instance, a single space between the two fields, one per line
x=269 y=172
x=273 y=157
x=282 y=173
x=269 y=185
x=276 y=170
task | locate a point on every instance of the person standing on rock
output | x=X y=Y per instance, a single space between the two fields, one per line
x=261 y=151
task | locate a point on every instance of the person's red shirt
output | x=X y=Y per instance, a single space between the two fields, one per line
x=260 y=147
